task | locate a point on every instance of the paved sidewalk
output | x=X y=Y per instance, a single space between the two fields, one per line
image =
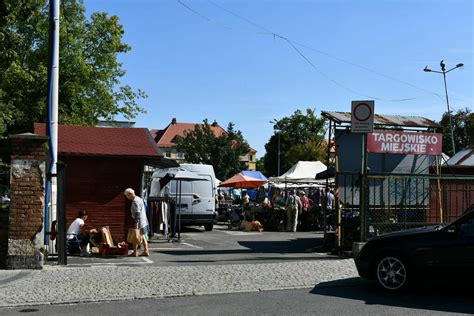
x=62 y=285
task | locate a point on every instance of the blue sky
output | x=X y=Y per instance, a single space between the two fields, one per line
x=218 y=60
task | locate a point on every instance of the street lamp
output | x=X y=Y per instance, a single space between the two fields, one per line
x=276 y=128
x=444 y=72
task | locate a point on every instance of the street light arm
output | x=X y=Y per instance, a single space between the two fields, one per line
x=438 y=72
x=457 y=66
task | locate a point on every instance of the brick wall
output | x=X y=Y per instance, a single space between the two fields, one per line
x=25 y=235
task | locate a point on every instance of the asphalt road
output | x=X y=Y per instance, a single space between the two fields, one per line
x=345 y=297
x=221 y=246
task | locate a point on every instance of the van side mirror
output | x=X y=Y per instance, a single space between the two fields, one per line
x=452 y=229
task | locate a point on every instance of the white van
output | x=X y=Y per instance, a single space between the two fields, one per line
x=198 y=197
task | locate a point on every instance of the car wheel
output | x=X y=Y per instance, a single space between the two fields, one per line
x=391 y=273
x=208 y=227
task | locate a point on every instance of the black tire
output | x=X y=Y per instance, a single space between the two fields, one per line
x=208 y=227
x=391 y=273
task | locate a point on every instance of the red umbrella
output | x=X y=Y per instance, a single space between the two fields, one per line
x=241 y=181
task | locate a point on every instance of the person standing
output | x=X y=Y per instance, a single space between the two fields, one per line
x=330 y=206
x=292 y=210
x=138 y=214
x=305 y=201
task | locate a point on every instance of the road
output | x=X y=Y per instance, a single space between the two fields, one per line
x=345 y=297
x=221 y=246
x=270 y=273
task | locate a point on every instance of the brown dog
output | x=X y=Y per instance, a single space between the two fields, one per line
x=253 y=226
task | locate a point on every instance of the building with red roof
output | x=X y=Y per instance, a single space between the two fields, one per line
x=101 y=162
x=164 y=139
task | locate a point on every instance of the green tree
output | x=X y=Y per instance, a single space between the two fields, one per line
x=223 y=152
x=89 y=72
x=260 y=165
x=89 y=85
x=298 y=137
x=462 y=130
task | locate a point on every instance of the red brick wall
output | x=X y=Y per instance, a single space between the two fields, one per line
x=96 y=184
x=25 y=230
x=27 y=189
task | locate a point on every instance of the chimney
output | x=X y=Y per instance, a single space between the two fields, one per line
x=173 y=121
x=214 y=124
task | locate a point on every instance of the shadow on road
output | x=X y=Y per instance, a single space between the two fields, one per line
x=438 y=297
x=293 y=246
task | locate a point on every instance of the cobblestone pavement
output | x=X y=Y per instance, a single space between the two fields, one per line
x=62 y=285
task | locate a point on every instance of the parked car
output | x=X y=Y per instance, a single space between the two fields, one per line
x=397 y=259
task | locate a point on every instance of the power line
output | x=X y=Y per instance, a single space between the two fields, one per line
x=292 y=43
x=293 y=46
x=194 y=11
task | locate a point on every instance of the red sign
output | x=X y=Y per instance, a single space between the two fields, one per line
x=407 y=143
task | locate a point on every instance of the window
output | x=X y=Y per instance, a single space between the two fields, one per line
x=250 y=157
x=181 y=155
x=168 y=154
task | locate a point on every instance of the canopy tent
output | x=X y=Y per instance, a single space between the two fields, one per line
x=282 y=185
x=301 y=172
x=254 y=174
x=241 y=181
x=326 y=174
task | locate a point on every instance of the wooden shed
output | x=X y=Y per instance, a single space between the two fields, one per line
x=100 y=163
x=454 y=191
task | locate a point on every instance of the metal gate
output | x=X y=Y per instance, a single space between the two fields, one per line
x=401 y=201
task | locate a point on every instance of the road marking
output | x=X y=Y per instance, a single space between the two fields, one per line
x=185 y=243
x=147 y=260
x=170 y=248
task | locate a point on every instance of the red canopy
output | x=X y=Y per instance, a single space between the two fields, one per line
x=241 y=181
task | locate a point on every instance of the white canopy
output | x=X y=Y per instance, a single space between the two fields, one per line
x=302 y=172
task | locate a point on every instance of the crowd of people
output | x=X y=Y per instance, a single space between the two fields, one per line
x=298 y=209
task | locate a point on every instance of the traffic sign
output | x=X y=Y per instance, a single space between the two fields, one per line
x=362 y=117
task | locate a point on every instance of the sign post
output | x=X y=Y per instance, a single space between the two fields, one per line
x=362 y=122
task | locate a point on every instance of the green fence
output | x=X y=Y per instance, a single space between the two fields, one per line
x=401 y=201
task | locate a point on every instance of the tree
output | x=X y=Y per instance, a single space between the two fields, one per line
x=89 y=85
x=300 y=137
x=461 y=127
x=223 y=152
x=260 y=165
x=89 y=72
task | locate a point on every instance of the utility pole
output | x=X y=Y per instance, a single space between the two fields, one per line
x=276 y=128
x=444 y=72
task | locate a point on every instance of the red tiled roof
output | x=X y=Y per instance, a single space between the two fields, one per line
x=167 y=135
x=103 y=141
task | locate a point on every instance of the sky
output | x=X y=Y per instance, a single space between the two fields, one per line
x=252 y=61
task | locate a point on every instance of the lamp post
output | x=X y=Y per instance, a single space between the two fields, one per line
x=444 y=72
x=276 y=128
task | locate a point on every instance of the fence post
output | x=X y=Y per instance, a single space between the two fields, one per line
x=61 y=216
x=363 y=192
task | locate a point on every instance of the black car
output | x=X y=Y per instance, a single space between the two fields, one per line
x=396 y=259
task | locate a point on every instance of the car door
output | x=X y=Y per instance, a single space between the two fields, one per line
x=185 y=199
x=455 y=250
x=203 y=199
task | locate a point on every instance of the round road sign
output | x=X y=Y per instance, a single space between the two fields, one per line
x=362 y=112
